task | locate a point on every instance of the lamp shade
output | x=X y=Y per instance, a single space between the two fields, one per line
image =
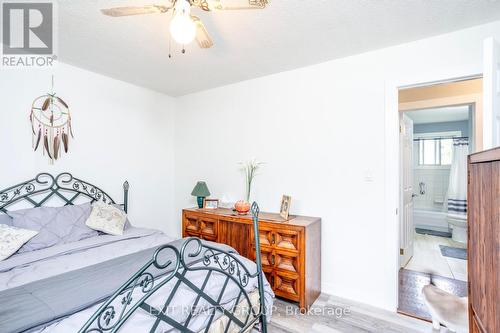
x=200 y=190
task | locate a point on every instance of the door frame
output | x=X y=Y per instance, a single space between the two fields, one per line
x=392 y=166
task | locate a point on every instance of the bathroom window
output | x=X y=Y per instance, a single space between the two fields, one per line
x=435 y=149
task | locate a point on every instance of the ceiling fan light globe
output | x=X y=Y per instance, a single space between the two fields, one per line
x=182 y=29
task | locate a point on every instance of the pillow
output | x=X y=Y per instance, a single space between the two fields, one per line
x=12 y=238
x=127 y=222
x=55 y=225
x=5 y=219
x=107 y=218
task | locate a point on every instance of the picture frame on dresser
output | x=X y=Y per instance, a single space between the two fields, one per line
x=286 y=200
x=210 y=203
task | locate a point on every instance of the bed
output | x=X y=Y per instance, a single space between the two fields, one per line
x=141 y=281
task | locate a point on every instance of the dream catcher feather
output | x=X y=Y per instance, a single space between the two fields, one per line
x=51 y=125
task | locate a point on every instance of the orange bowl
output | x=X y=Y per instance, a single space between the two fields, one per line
x=242 y=207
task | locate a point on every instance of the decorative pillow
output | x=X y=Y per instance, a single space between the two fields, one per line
x=12 y=238
x=127 y=221
x=5 y=219
x=55 y=225
x=107 y=218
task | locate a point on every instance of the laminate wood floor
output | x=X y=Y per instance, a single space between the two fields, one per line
x=331 y=314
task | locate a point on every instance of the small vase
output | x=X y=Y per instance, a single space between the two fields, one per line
x=242 y=207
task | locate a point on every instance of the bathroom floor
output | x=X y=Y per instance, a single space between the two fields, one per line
x=427 y=258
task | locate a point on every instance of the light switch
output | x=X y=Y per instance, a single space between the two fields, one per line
x=368 y=177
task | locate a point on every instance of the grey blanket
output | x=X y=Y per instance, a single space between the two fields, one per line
x=37 y=303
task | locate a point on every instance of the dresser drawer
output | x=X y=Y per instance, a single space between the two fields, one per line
x=202 y=227
x=191 y=225
x=266 y=257
x=191 y=234
x=266 y=237
x=286 y=261
x=269 y=277
x=278 y=260
x=286 y=239
x=279 y=238
x=208 y=227
x=287 y=285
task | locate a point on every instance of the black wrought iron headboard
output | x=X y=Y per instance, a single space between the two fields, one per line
x=44 y=186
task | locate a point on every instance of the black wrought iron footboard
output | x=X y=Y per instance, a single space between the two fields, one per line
x=174 y=266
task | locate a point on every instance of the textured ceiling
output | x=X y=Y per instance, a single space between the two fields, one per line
x=248 y=44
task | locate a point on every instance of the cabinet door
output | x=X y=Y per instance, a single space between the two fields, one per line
x=236 y=235
x=287 y=285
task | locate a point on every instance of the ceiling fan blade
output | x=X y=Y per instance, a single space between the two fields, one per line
x=127 y=11
x=202 y=37
x=230 y=4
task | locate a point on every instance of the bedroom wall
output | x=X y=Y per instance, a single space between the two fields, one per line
x=122 y=132
x=320 y=131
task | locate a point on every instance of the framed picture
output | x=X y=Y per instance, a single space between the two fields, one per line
x=285 y=206
x=211 y=203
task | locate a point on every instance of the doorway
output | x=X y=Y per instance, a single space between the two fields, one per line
x=439 y=126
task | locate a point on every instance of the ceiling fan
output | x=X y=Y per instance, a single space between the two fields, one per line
x=184 y=27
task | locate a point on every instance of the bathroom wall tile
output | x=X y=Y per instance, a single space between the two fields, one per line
x=436 y=181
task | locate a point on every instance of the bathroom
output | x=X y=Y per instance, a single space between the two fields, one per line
x=442 y=139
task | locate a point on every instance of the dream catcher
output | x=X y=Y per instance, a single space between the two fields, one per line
x=51 y=125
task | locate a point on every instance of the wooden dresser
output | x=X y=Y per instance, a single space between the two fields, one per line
x=290 y=249
x=484 y=241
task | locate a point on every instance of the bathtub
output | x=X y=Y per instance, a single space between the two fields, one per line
x=430 y=219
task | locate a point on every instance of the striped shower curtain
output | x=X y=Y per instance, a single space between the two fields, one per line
x=457 y=190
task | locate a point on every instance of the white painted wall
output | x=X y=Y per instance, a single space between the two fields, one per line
x=320 y=130
x=122 y=132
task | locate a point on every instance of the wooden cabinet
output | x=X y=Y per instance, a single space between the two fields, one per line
x=290 y=249
x=484 y=241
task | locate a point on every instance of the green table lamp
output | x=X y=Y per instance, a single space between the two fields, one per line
x=201 y=192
